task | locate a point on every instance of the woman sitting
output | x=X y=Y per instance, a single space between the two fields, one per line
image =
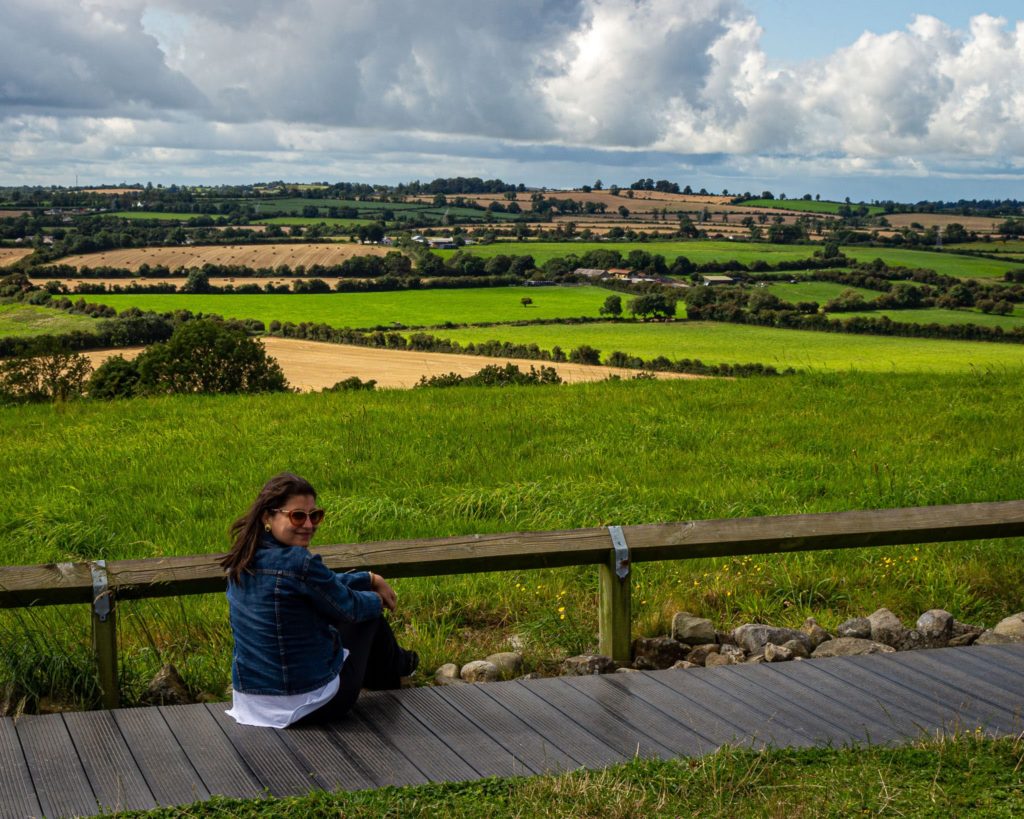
x=306 y=639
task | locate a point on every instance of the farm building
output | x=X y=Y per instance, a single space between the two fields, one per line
x=710 y=281
x=590 y=272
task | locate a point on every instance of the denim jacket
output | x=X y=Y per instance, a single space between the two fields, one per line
x=282 y=610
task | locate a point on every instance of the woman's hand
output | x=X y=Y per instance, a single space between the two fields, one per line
x=383 y=589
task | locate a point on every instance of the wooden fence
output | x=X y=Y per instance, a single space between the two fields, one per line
x=613 y=549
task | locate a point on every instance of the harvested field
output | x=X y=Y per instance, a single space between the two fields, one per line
x=314 y=365
x=12 y=214
x=979 y=224
x=178 y=281
x=248 y=255
x=110 y=191
x=9 y=255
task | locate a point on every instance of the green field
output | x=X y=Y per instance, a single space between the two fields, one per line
x=715 y=342
x=807 y=205
x=432 y=463
x=27 y=320
x=413 y=308
x=160 y=216
x=310 y=220
x=940 y=316
x=700 y=252
x=820 y=292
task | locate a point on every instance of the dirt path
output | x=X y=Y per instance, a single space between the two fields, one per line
x=313 y=365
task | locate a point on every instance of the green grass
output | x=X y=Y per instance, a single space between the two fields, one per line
x=165 y=476
x=820 y=292
x=701 y=252
x=940 y=316
x=996 y=246
x=310 y=220
x=806 y=205
x=717 y=342
x=422 y=307
x=161 y=216
x=29 y=320
x=938 y=778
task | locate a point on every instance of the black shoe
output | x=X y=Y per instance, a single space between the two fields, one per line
x=412 y=662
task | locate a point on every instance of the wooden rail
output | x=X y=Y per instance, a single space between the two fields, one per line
x=96 y=583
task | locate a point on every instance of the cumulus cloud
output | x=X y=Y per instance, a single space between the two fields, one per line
x=531 y=81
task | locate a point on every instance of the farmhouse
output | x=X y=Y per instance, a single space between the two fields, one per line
x=710 y=281
x=590 y=272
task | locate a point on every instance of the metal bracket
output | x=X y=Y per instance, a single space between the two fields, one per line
x=101 y=593
x=621 y=551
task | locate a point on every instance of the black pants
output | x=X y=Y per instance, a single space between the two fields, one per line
x=375 y=661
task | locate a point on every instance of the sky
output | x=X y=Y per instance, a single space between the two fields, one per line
x=899 y=99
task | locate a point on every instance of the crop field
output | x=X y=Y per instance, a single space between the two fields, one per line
x=940 y=316
x=9 y=255
x=979 y=224
x=948 y=264
x=820 y=292
x=28 y=320
x=249 y=255
x=161 y=216
x=409 y=307
x=806 y=206
x=715 y=342
x=428 y=463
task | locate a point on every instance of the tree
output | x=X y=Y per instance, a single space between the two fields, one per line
x=114 y=378
x=526 y=301
x=623 y=211
x=47 y=371
x=204 y=356
x=652 y=304
x=585 y=354
x=612 y=307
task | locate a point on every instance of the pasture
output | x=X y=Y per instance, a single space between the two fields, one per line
x=305 y=221
x=715 y=342
x=28 y=320
x=820 y=292
x=423 y=463
x=159 y=216
x=940 y=316
x=407 y=307
x=261 y=255
x=807 y=205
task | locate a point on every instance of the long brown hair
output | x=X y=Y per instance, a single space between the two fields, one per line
x=247 y=531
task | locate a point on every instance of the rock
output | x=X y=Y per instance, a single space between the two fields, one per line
x=1012 y=626
x=682 y=664
x=725 y=638
x=777 y=654
x=167 y=688
x=698 y=654
x=207 y=696
x=752 y=637
x=509 y=663
x=626 y=670
x=660 y=652
x=963 y=629
x=849 y=647
x=912 y=639
x=797 y=649
x=533 y=675
x=859 y=627
x=816 y=635
x=52 y=705
x=755 y=659
x=992 y=638
x=720 y=659
x=517 y=642
x=734 y=651
x=967 y=639
x=935 y=627
x=583 y=665
x=447 y=674
x=7 y=699
x=886 y=628
x=644 y=664
x=479 y=671
x=694 y=631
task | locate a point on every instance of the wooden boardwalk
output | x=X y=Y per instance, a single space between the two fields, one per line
x=79 y=764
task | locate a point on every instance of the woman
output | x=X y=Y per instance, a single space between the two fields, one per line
x=306 y=639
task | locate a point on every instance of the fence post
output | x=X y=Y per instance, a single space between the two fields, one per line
x=104 y=635
x=615 y=601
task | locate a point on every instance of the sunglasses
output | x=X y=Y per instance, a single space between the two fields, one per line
x=297 y=517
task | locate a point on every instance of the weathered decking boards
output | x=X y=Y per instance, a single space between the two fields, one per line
x=80 y=764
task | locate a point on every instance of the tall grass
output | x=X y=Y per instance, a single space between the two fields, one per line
x=165 y=476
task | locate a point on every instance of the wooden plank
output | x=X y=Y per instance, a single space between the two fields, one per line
x=17 y=796
x=61 y=783
x=266 y=755
x=600 y=719
x=215 y=759
x=108 y=761
x=376 y=754
x=155 y=577
x=167 y=769
x=446 y=720
x=316 y=747
x=573 y=740
x=865 y=720
x=1000 y=665
x=104 y=645
x=778 y=710
x=431 y=756
x=529 y=746
x=970 y=675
